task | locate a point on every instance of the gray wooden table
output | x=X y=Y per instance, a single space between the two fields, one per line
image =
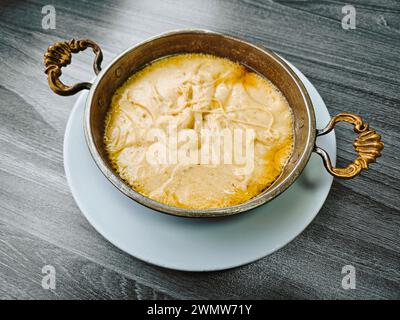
x=355 y=70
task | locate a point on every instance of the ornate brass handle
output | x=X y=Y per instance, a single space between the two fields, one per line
x=367 y=144
x=59 y=55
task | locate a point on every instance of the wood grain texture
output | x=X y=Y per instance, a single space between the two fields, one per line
x=354 y=70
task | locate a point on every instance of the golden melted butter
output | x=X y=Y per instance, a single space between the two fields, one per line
x=195 y=91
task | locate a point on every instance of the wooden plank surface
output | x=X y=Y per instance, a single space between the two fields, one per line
x=354 y=70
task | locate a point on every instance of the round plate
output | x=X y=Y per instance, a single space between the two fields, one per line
x=195 y=244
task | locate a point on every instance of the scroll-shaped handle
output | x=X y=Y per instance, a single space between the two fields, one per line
x=367 y=144
x=59 y=55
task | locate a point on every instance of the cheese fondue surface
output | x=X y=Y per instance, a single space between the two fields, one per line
x=155 y=132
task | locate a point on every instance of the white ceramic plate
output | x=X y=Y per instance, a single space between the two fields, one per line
x=195 y=244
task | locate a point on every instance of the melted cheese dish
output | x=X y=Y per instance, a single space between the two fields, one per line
x=191 y=93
